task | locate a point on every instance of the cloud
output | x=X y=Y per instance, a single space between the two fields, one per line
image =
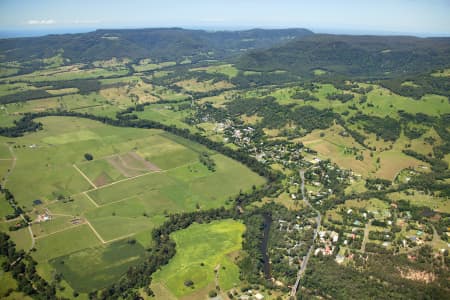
x=41 y=22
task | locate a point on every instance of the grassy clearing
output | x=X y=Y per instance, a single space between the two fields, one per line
x=386 y=103
x=100 y=172
x=4 y=151
x=57 y=223
x=420 y=199
x=193 y=85
x=63 y=91
x=410 y=84
x=33 y=106
x=146 y=65
x=5 y=208
x=5 y=165
x=218 y=100
x=442 y=73
x=21 y=238
x=209 y=190
x=97 y=267
x=7 y=120
x=164 y=114
x=61 y=144
x=78 y=206
x=69 y=73
x=331 y=144
x=206 y=244
x=127 y=218
x=65 y=242
x=371 y=204
x=392 y=162
x=284 y=199
x=8 y=282
x=319 y=72
x=375 y=206
x=228 y=70
x=16 y=87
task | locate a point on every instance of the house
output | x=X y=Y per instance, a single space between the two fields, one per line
x=258 y=296
x=340 y=259
x=315 y=160
x=334 y=236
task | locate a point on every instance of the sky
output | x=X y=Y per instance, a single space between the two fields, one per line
x=415 y=17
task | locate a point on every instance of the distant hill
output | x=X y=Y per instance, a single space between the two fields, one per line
x=159 y=43
x=355 y=56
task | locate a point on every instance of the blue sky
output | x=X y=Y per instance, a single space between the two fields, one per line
x=423 y=17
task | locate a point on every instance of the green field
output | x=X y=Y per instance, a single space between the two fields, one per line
x=228 y=70
x=65 y=242
x=96 y=206
x=97 y=267
x=201 y=248
x=5 y=208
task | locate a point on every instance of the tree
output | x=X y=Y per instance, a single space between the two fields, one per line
x=88 y=156
x=212 y=293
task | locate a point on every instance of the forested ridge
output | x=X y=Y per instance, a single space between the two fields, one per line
x=158 y=43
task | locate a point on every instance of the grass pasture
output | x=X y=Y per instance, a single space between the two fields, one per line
x=21 y=238
x=78 y=206
x=420 y=199
x=140 y=176
x=5 y=208
x=56 y=224
x=65 y=242
x=69 y=72
x=208 y=189
x=227 y=69
x=164 y=114
x=392 y=162
x=330 y=144
x=97 y=267
x=101 y=172
x=193 y=85
x=207 y=244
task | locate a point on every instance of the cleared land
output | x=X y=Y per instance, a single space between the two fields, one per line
x=139 y=176
x=344 y=150
x=97 y=267
x=201 y=248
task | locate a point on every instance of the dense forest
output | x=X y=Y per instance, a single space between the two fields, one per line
x=163 y=44
x=352 y=56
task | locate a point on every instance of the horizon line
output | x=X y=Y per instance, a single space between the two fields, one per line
x=41 y=31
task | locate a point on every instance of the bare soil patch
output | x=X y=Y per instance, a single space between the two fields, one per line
x=131 y=164
x=103 y=179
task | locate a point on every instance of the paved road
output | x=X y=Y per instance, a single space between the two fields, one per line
x=304 y=264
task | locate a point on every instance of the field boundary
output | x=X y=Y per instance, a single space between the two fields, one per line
x=95 y=232
x=137 y=176
x=84 y=175
x=58 y=231
x=92 y=200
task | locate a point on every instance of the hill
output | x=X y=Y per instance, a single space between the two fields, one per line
x=354 y=56
x=158 y=43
